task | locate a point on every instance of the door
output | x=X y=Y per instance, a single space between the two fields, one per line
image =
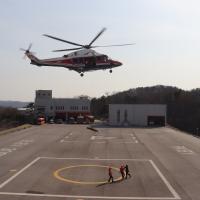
x=156 y=120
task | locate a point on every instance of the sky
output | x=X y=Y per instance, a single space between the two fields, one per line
x=166 y=33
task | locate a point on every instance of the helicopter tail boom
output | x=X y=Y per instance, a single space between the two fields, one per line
x=31 y=56
x=34 y=59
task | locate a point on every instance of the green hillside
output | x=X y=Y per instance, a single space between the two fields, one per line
x=183 y=107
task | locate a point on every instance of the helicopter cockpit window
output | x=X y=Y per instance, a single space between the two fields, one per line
x=100 y=58
x=65 y=56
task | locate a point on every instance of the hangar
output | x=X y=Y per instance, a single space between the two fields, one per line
x=137 y=114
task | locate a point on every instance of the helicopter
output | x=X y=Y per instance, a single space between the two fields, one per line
x=82 y=59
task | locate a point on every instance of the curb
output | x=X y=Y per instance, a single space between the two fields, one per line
x=182 y=131
x=18 y=128
x=92 y=129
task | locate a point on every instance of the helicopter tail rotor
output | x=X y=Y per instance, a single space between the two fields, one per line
x=27 y=51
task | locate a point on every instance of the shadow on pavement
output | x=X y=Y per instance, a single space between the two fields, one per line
x=108 y=183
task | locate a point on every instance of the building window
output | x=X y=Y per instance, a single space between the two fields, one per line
x=51 y=107
x=125 y=115
x=118 y=116
x=60 y=107
x=73 y=107
x=84 y=108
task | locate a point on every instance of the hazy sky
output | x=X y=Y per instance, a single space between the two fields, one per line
x=166 y=32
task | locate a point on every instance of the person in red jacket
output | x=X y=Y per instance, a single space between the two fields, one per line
x=110 y=175
x=121 y=169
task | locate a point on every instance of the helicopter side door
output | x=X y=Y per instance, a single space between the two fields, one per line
x=78 y=62
x=90 y=61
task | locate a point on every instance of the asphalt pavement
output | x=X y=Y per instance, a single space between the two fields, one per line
x=61 y=161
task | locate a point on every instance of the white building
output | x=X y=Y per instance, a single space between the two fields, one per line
x=137 y=114
x=59 y=108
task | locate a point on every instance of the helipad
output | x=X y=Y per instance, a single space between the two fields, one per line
x=58 y=176
x=51 y=176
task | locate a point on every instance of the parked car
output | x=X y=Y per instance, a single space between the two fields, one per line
x=51 y=121
x=71 y=120
x=80 y=119
x=59 y=121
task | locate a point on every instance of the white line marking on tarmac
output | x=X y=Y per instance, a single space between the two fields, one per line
x=14 y=147
x=176 y=196
x=100 y=142
x=171 y=189
x=66 y=137
x=113 y=159
x=73 y=141
x=125 y=142
x=12 y=170
x=18 y=173
x=87 y=197
x=134 y=139
x=183 y=150
x=101 y=138
x=93 y=137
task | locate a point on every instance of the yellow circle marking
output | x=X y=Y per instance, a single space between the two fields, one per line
x=57 y=175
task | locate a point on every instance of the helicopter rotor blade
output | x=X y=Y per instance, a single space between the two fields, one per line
x=55 y=38
x=29 y=47
x=67 y=49
x=22 y=49
x=114 y=45
x=26 y=51
x=104 y=29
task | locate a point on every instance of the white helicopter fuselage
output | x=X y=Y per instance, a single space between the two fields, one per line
x=79 y=61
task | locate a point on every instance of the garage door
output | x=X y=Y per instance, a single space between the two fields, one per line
x=156 y=120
